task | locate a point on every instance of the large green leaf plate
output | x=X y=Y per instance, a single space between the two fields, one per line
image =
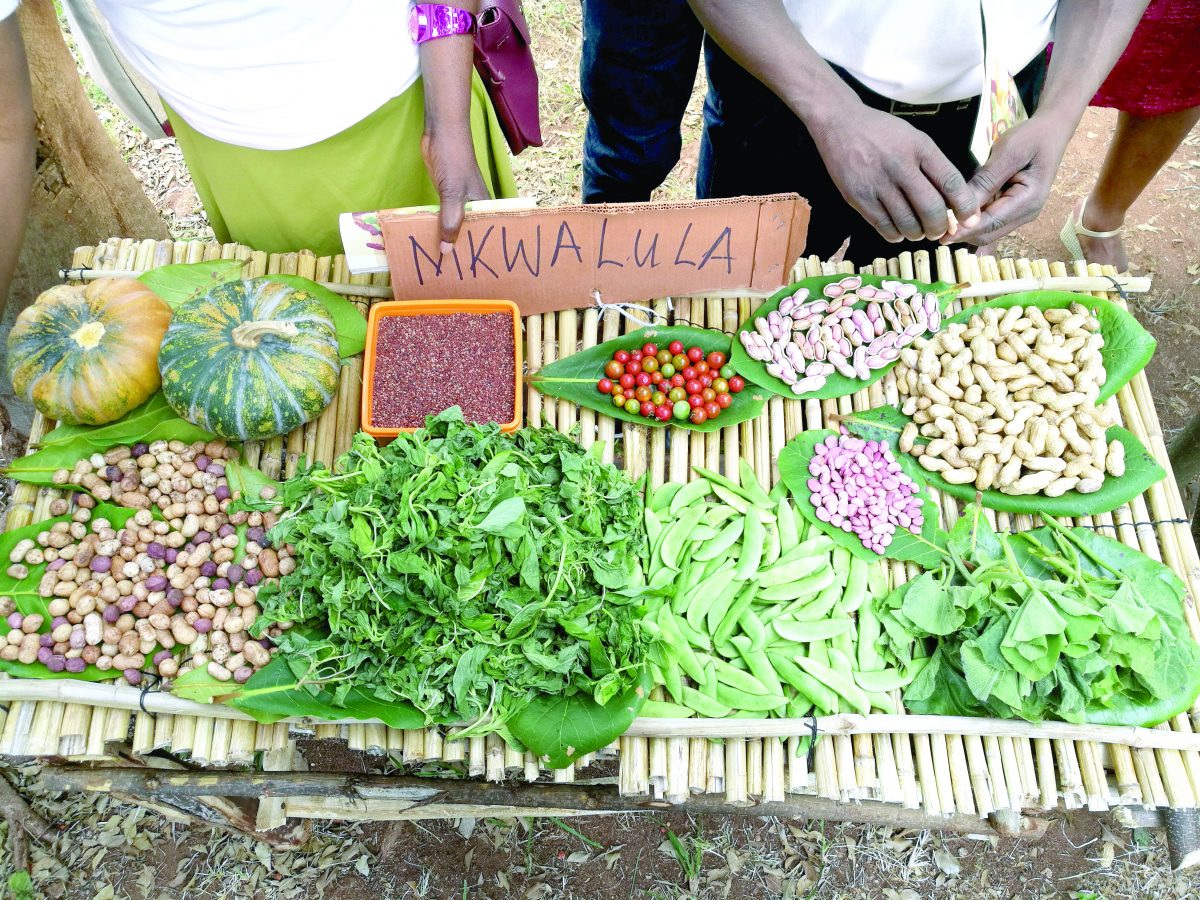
x=836 y=385
x=24 y=591
x=885 y=423
x=574 y=378
x=926 y=548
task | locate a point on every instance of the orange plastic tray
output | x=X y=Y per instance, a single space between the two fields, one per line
x=435 y=308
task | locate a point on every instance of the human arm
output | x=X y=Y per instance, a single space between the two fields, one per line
x=449 y=151
x=1012 y=186
x=895 y=176
x=16 y=149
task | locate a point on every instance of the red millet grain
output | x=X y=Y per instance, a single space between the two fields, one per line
x=425 y=364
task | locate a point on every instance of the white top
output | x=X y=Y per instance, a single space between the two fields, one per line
x=7 y=8
x=268 y=74
x=922 y=51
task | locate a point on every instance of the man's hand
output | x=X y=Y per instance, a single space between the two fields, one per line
x=455 y=173
x=1012 y=186
x=894 y=175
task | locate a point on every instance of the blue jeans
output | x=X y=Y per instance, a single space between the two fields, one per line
x=637 y=71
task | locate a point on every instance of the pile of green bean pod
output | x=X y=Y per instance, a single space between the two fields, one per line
x=758 y=614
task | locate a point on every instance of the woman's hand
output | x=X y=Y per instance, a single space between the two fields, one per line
x=455 y=173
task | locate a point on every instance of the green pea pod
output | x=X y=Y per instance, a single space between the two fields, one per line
x=839 y=661
x=804 y=684
x=758 y=664
x=709 y=688
x=743 y=491
x=662 y=579
x=802 y=526
x=753 y=628
x=704 y=705
x=798 y=707
x=818 y=650
x=718 y=594
x=778 y=491
x=771 y=547
x=672 y=678
x=797 y=632
x=753 y=537
x=817 y=545
x=742 y=602
x=702 y=534
x=819 y=608
x=690 y=493
x=843 y=643
x=786 y=522
x=654 y=530
x=718 y=514
x=736 y=678
x=868 y=633
x=725 y=538
x=856 y=584
x=677 y=642
x=721 y=606
x=741 y=504
x=661 y=709
x=882 y=682
x=752 y=486
x=885 y=703
x=747 y=702
x=792 y=570
x=697 y=639
x=753 y=713
x=677 y=536
x=837 y=682
x=808 y=586
x=660 y=499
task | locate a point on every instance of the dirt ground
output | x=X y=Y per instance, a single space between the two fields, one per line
x=108 y=850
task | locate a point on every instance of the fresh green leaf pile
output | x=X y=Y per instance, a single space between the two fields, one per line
x=1055 y=623
x=468 y=573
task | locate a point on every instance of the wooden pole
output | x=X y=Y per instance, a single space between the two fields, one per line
x=373 y=794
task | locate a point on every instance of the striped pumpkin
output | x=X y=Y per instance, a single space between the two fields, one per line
x=86 y=355
x=250 y=359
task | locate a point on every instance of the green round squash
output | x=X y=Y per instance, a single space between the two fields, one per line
x=250 y=359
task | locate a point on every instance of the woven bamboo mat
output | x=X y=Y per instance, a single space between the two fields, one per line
x=917 y=767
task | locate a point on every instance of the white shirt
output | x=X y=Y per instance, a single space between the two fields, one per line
x=922 y=51
x=268 y=74
x=7 y=8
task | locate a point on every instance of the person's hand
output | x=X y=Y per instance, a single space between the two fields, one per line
x=894 y=175
x=450 y=159
x=1012 y=186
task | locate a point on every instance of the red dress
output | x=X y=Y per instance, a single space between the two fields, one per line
x=1159 y=72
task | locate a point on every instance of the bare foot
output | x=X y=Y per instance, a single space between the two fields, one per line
x=1107 y=251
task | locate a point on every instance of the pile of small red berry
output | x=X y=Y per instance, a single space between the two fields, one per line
x=671 y=383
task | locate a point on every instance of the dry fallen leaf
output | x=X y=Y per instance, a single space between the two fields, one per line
x=946 y=862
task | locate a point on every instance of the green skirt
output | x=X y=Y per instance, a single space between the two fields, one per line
x=284 y=200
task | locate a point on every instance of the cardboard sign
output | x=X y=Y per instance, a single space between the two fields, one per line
x=557 y=258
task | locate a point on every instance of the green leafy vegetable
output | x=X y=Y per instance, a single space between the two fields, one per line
x=836 y=384
x=926 y=549
x=1053 y=623
x=468 y=573
x=884 y=423
x=64 y=446
x=574 y=378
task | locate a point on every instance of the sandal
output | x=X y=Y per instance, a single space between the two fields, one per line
x=1074 y=228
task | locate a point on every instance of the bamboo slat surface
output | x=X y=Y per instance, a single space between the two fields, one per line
x=977 y=772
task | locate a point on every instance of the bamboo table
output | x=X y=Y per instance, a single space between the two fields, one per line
x=916 y=771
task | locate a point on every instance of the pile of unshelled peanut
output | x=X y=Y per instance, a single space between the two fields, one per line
x=1008 y=402
x=166 y=591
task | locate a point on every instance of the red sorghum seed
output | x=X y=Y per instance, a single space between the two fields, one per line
x=425 y=364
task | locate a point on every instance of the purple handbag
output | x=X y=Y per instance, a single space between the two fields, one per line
x=505 y=63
